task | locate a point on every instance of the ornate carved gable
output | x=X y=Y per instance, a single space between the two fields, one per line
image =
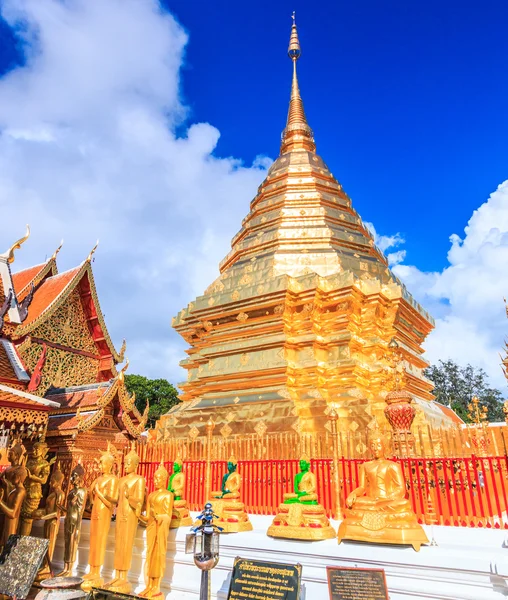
x=60 y=367
x=68 y=326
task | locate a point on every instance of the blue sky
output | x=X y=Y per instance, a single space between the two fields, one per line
x=407 y=100
x=144 y=127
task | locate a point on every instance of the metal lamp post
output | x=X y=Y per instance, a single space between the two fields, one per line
x=203 y=543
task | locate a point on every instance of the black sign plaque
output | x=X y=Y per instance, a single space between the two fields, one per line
x=102 y=594
x=259 y=580
x=20 y=560
x=348 y=583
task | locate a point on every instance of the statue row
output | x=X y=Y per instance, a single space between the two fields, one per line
x=377 y=511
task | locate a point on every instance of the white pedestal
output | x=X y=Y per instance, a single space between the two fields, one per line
x=468 y=564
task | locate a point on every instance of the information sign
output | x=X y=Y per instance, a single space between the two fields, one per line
x=348 y=583
x=259 y=580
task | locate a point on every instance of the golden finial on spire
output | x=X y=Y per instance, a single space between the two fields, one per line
x=55 y=253
x=298 y=134
x=92 y=252
x=16 y=246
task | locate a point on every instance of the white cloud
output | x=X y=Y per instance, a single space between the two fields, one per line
x=384 y=242
x=394 y=258
x=88 y=150
x=467 y=296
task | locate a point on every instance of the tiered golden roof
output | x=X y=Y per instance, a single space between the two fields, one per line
x=303 y=309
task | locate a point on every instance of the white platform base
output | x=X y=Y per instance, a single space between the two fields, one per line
x=468 y=564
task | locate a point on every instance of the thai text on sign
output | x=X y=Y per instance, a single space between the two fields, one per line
x=259 y=580
x=356 y=584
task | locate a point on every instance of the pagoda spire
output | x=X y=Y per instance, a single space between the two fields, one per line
x=297 y=134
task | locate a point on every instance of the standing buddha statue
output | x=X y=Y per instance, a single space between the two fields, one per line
x=50 y=514
x=159 y=510
x=131 y=493
x=10 y=505
x=104 y=497
x=38 y=472
x=226 y=502
x=16 y=456
x=181 y=516
x=300 y=516
x=76 y=502
x=378 y=510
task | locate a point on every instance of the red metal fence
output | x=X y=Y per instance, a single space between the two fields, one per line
x=465 y=492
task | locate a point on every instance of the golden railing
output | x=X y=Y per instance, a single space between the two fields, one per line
x=424 y=442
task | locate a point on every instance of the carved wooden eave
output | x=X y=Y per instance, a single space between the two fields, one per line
x=126 y=414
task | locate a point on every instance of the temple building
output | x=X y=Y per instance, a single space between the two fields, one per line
x=57 y=359
x=302 y=313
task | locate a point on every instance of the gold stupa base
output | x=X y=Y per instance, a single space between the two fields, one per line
x=180 y=516
x=301 y=522
x=381 y=528
x=232 y=515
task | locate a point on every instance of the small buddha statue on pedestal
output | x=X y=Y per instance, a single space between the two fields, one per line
x=377 y=510
x=300 y=516
x=10 y=505
x=181 y=516
x=104 y=496
x=131 y=494
x=38 y=472
x=76 y=501
x=226 y=503
x=50 y=514
x=159 y=511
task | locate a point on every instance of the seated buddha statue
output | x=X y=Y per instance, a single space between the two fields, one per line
x=378 y=510
x=181 y=516
x=300 y=516
x=226 y=502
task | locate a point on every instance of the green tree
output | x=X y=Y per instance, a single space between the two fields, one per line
x=455 y=386
x=159 y=393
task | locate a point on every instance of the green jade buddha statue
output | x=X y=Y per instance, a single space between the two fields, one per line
x=226 y=502
x=181 y=516
x=229 y=479
x=304 y=486
x=300 y=516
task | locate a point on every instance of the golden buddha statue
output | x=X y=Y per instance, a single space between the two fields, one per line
x=159 y=511
x=50 y=514
x=76 y=502
x=15 y=455
x=226 y=502
x=104 y=497
x=10 y=505
x=377 y=510
x=131 y=493
x=300 y=516
x=38 y=472
x=181 y=516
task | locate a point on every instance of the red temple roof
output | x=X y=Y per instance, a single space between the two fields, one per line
x=79 y=396
x=8 y=394
x=23 y=279
x=46 y=295
x=54 y=291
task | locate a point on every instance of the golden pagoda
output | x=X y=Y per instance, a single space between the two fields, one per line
x=302 y=313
